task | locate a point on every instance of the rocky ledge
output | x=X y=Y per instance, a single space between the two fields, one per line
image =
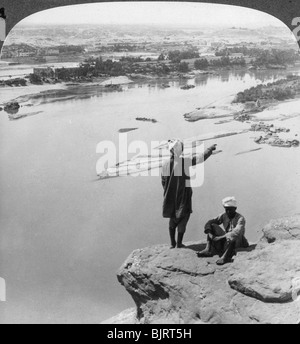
x=176 y=287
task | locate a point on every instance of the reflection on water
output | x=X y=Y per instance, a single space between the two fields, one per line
x=63 y=234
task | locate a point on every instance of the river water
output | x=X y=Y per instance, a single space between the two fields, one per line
x=64 y=234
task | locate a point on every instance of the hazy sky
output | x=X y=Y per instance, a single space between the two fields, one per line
x=192 y=14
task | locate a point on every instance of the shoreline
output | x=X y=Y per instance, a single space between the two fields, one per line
x=134 y=79
x=225 y=109
x=137 y=77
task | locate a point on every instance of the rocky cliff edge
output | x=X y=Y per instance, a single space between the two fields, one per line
x=176 y=287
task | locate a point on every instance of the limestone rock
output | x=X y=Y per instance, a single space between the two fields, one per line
x=177 y=287
x=125 y=317
x=287 y=228
x=268 y=273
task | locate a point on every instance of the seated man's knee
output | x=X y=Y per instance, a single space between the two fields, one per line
x=216 y=230
x=208 y=229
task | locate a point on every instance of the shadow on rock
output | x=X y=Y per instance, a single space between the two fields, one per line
x=196 y=247
x=248 y=249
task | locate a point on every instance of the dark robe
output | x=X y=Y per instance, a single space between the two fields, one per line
x=175 y=178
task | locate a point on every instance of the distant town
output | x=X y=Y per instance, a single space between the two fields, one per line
x=46 y=42
x=111 y=50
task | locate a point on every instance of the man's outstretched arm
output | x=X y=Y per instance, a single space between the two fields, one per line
x=200 y=158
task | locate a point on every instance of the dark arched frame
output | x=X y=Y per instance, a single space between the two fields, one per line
x=288 y=11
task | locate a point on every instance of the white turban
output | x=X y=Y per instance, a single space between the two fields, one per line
x=176 y=146
x=229 y=202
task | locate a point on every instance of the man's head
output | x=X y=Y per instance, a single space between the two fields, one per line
x=176 y=147
x=230 y=206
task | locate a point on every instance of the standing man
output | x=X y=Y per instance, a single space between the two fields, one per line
x=177 y=204
x=225 y=241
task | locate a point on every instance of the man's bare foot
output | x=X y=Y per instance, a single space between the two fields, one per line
x=204 y=254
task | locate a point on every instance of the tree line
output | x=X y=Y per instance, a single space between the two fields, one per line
x=222 y=62
x=263 y=57
x=279 y=90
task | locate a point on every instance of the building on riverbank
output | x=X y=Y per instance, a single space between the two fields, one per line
x=60 y=72
x=44 y=72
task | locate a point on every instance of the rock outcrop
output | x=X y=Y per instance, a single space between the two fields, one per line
x=176 y=287
x=271 y=138
x=12 y=108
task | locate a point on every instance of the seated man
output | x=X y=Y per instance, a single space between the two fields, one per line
x=225 y=241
